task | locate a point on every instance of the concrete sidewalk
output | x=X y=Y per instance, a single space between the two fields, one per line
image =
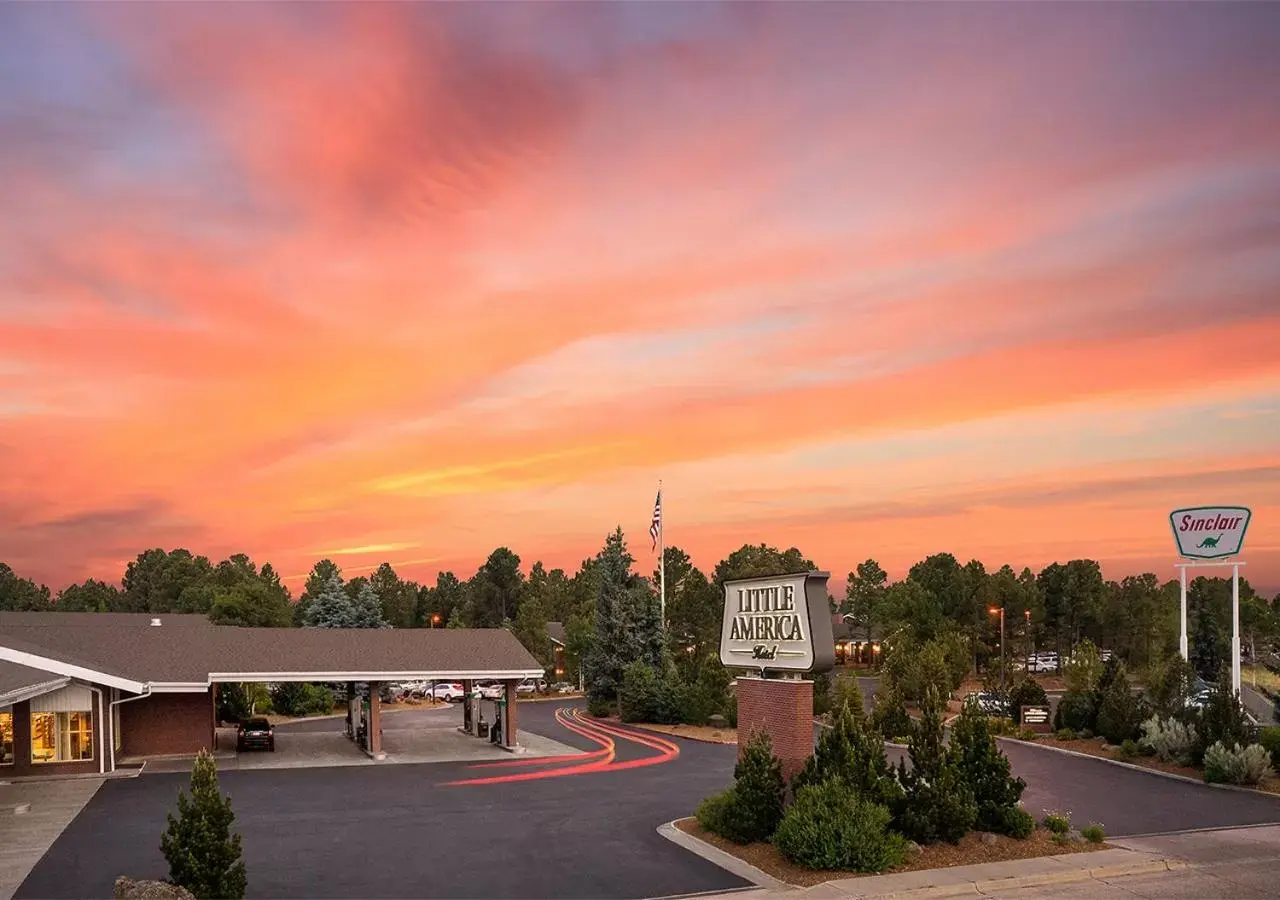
x=1225 y=864
x=32 y=815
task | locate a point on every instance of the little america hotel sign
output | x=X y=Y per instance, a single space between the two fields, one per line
x=780 y=622
x=1209 y=532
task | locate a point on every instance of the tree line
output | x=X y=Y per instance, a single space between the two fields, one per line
x=610 y=612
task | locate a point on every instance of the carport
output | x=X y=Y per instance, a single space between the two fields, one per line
x=152 y=680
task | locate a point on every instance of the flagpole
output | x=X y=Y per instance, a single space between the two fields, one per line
x=662 y=562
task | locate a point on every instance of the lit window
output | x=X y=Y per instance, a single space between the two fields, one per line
x=61 y=736
x=6 y=736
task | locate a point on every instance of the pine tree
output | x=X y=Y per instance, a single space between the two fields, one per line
x=985 y=769
x=851 y=751
x=758 y=791
x=202 y=851
x=1119 y=711
x=331 y=608
x=628 y=622
x=366 y=609
x=938 y=804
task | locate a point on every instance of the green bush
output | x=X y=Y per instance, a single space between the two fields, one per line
x=1026 y=693
x=295 y=698
x=1222 y=721
x=1236 y=764
x=1169 y=684
x=1001 y=726
x=1084 y=669
x=1016 y=822
x=758 y=792
x=937 y=802
x=1093 y=833
x=1170 y=740
x=1058 y=823
x=715 y=812
x=821 y=694
x=1077 y=711
x=890 y=718
x=984 y=768
x=829 y=827
x=1085 y=734
x=600 y=707
x=202 y=851
x=852 y=752
x=1120 y=713
x=1065 y=734
x=1270 y=739
x=1129 y=748
x=233 y=703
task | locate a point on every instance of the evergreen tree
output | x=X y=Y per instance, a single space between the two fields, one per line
x=331 y=607
x=890 y=717
x=851 y=751
x=938 y=803
x=758 y=791
x=627 y=622
x=366 y=609
x=985 y=769
x=202 y=851
x=530 y=627
x=1119 y=711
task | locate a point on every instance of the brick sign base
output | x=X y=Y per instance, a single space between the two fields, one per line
x=783 y=709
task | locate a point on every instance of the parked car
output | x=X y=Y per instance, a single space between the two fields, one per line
x=564 y=687
x=256 y=733
x=491 y=691
x=448 y=691
x=988 y=703
x=526 y=687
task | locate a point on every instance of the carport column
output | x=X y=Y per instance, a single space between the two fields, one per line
x=509 y=726
x=375 y=720
x=468 y=710
x=353 y=711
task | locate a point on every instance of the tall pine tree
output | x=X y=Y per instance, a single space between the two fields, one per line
x=628 y=621
x=331 y=607
x=202 y=851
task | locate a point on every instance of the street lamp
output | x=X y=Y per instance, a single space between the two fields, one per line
x=1027 y=613
x=435 y=619
x=993 y=610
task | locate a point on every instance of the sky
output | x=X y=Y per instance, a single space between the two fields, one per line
x=410 y=282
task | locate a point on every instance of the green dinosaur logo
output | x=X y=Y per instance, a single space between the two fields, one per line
x=1209 y=543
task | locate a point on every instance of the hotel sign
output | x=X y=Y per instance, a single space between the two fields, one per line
x=778 y=622
x=1209 y=532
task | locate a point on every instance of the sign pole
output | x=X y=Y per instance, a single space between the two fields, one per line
x=662 y=562
x=1235 y=628
x=1182 y=635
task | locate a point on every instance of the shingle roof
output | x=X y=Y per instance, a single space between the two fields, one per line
x=190 y=655
x=14 y=677
x=106 y=618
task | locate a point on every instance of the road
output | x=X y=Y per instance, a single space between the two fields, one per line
x=1258 y=705
x=402 y=831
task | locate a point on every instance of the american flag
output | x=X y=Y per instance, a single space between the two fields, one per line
x=656 y=526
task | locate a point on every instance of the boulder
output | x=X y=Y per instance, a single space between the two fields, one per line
x=987 y=837
x=718 y=721
x=132 y=889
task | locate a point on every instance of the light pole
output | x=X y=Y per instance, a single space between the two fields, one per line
x=993 y=610
x=1027 y=669
x=435 y=619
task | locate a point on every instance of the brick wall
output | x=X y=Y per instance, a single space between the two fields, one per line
x=166 y=723
x=22 y=764
x=783 y=708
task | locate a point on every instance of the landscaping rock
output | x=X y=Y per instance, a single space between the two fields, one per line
x=130 y=889
x=1075 y=837
x=987 y=837
x=717 y=721
x=913 y=849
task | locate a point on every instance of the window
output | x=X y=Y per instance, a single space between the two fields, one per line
x=6 y=736
x=61 y=736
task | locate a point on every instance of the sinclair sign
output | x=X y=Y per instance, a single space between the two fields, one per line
x=780 y=622
x=1209 y=532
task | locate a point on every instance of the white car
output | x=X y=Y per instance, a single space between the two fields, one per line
x=491 y=691
x=449 y=692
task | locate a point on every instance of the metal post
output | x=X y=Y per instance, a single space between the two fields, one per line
x=662 y=558
x=1002 y=645
x=1182 y=635
x=1235 y=628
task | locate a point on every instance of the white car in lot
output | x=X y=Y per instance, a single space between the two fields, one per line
x=450 y=692
x=491 y=691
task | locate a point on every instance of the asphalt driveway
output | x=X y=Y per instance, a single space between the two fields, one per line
x=403 y=831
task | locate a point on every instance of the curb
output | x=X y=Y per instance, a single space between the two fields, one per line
x=683 y=737
x=1137 y=768
x=726 y=861
x=1016 y=882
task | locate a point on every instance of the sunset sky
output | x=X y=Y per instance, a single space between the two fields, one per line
x=409 y=282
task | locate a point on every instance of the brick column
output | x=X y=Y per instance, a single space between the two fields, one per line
x=783 y=709
x=509 y=726
x=375 y=719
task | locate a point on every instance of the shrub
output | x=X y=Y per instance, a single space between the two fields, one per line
x=1222 y=720
x=852 y=752
x=984 y=768
x=1065 y=734
x=600 y=706
x=1170 y=740
x=1076 y=710
x=202 y=851
x=1093 y=833
x=937 y=803
x=1169 y=684
x=890 y=717
x=1000 y=726
x=1270 y=739
x=758 y=792
x=821 y=694
x=1016 y=822
x=1083 y=671
x=716 y=811
x=731 y=711
x=1026 y=693
x=1236 y=765
x=1025 y=734
x=1085 y=734
x=1057 y=822
x=1129 y=748
x=1119 y=711
x=233 y=703
x=294 y=698
x=830 y=827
